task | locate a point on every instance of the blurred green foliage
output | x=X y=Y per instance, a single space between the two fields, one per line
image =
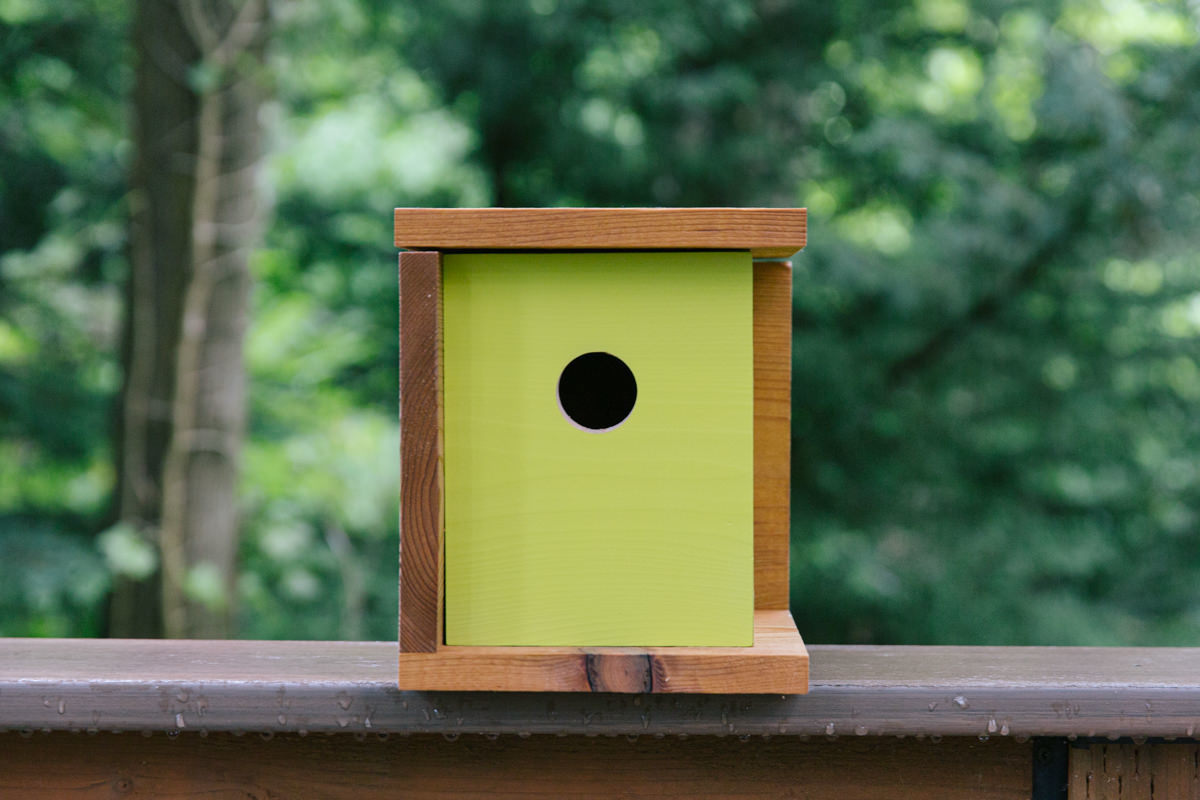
x=996 y=323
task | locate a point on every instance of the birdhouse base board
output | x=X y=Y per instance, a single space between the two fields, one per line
x=777 y=663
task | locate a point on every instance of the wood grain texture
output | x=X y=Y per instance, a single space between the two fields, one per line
x=777 y=663
x=772 y=431
x=226 y=766
x=765 y=232
x=420 y=452
x=1001 y=692
x=1127 y=771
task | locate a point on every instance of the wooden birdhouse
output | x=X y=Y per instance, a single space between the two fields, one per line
x=594 y=414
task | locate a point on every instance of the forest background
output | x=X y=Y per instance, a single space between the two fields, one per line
x=996 y=323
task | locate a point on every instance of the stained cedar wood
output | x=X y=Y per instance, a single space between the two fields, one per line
x=420 y=452
x=776 y=664
x=509 y=669
x=765 y=232
x=1128 y=771
x=419 y=767
x=772 y=430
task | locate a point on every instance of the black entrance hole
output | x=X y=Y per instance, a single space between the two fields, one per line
x=596 y=391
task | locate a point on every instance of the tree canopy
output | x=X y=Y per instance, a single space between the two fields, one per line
x=996 y=376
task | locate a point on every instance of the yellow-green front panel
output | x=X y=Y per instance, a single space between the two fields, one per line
x=641 y=535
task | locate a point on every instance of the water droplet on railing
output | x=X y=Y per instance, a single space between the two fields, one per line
x=450 y=737
x=179 y=723
x=961 y=702
x=829 y=729
x=992 y=727
x=860 y=730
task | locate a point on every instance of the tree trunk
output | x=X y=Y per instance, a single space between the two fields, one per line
x=194 y=218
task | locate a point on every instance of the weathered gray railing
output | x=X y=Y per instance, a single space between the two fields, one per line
x=938 y=721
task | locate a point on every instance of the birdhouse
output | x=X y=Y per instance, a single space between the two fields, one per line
x=594 y=437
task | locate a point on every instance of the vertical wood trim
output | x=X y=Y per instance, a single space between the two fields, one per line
x=1126 y=771
x=1176 y=771
x=420 y=451
x=772 y=431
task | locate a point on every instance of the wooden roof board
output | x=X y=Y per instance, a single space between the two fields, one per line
x=765 y=232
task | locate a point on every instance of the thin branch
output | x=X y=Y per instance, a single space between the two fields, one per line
x=988 y=306
x=242 y=31
x=197 y=26
x=222 y=49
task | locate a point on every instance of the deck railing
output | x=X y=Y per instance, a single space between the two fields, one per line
x=325 y=719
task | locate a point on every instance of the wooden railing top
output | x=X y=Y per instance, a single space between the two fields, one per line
x=103 y=685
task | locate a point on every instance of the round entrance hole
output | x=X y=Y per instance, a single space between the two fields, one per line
x=596 y=391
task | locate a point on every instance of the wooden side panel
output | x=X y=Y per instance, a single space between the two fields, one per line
x=776 y=664
x=1126 y=771
x=772 y=430
x=765 y=232
x=420 y=452
x=471 y=766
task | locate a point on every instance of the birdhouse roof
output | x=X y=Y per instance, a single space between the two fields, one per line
x=765 y=232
